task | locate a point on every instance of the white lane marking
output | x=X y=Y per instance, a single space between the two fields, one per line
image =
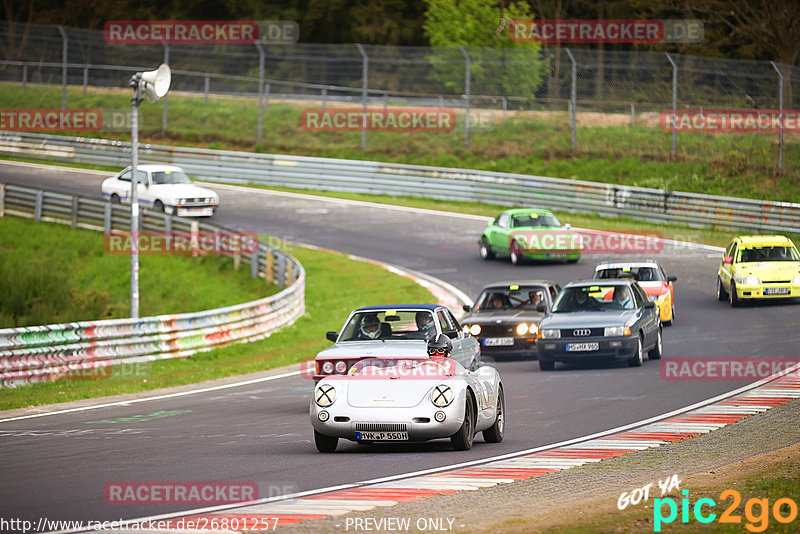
x=44 y=166
x=507 y=457
x=157 y=397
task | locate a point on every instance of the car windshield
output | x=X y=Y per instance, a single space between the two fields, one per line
x=170 y=177
x=533 y=219
x=389 y=324
x=594 y=298
x=510 y=297
x=773 y=253
x=405 y=367
x=640 y=274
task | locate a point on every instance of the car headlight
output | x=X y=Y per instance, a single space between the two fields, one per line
x=324 y=395
x=533 y=329
x=550 y=333
x=796 y=279
x=617 y=331
x=442 y=395
x=475 y=329
x=340 y=367
x=522 y=329
x=327 y=368
x=751 y=281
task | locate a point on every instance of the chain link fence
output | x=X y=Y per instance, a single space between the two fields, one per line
x=578 y=86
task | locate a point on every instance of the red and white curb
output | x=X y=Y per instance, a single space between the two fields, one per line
x=359 y=498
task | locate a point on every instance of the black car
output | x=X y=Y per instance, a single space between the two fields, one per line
x=600 y=319
x=505 y=317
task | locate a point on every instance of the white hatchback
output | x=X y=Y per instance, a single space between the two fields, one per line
x=164 y=188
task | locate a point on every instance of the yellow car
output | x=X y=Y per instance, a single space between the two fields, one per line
x=759 y=267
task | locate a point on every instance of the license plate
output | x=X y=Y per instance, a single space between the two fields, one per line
x=557 y=255
x=776 y=291
x=498 y=341
x=382 y=436
x=581 y=347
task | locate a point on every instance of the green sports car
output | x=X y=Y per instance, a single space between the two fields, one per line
x=530 y=234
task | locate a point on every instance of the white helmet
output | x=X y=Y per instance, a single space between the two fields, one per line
x=370 y=326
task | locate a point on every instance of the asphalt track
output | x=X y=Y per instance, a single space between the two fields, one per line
x=57 y=466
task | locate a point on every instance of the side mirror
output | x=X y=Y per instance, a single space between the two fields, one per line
x=467 y=308
x=332 y=336
x=672 y=279
x=649 y=305
x=452 y=334
x=541 y=308
x=727 y=260
x=567 y=226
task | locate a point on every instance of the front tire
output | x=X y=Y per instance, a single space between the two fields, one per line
x=516 y=253
x=671 y=316
x=733 y=298
x=494 y=434
x=485 y=249
x=721 y=296
x=637 y=359
x=462 y=440
x=115 y=199
x=655 y=352
x=325 y=443
x=158 y=206
x=546 y=365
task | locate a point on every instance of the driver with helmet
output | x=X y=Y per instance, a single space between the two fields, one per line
x=425 y=324
x=370 y=327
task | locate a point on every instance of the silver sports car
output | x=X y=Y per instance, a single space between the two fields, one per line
x=408 y=399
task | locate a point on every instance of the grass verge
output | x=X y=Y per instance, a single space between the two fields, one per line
x=529 y=143
x=335 y=285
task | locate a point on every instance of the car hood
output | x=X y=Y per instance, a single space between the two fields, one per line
x=654 y=288
x=770 y=270
x=588 y=319
x=389 y=393
x=374 y=349
x=182 y=191
x=502 y=316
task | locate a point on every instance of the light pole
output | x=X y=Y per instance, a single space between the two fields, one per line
x=152 y=85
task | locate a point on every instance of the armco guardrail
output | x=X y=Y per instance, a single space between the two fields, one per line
x=655 y=205
x=90 y=348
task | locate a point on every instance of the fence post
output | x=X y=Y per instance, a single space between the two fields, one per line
x=73 y=222
x=164 y=100
x=467 y=88
x=107 y=219
x=254 y=263
x=64 y=41
x=674 y=106
x=573 y=98
x=2 y=200
x=780 y=114
x=37 y=206
x=85 y=78
x=167 y=223
x=633 y=115
x=206 y=87
x=260 y=94
x=364 y=76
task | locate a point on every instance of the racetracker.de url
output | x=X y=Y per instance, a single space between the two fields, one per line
x=197 y=522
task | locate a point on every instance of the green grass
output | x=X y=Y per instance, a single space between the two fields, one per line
x=335 y=286
x=53 y=274
x=730 y=164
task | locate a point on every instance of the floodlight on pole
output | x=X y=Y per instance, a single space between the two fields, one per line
x=153 y=85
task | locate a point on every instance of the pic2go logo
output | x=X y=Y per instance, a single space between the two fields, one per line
x=756 y=511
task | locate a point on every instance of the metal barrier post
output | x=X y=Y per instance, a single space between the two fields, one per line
x=37 y=208
x=206 y=87
x=2 y=200
x=24 y=76
x=467 y=80
x=164 y=108
x=674 y=106
x=107 y=219
x=64 y=41
x=73 y=220
x=260 y=91
x=85 y=78
x=364 y=76
x=573 y=98
x=324 y=97
x=780 y=111
x=266 y=96
x=254 y=264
